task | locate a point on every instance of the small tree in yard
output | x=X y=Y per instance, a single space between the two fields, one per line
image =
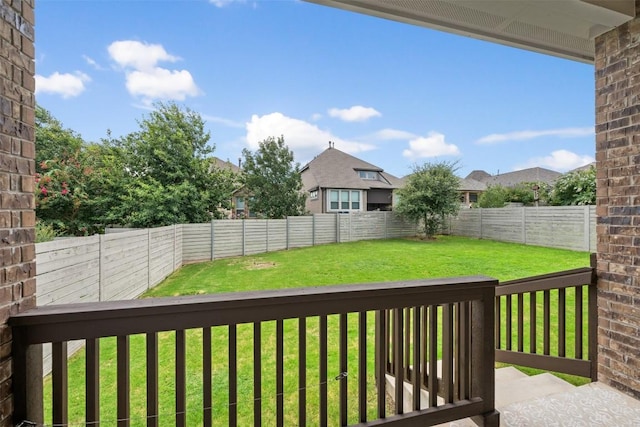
x=273 y=179
x=429 y=195
x=575 y=188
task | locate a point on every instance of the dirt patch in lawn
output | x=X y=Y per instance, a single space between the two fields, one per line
x=259 y=265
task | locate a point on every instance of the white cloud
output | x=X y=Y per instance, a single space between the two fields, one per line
x=303 y=138
x=357 y=113
x=316 y=116
x=524 y=135
x=433 y=145
x=66 y=85
x=92 y=62
x=559 y=160
x=139 y=55
x=145 y=79
x=223 y=3
x=393 y=134
x=223 y=121
x=160 y=83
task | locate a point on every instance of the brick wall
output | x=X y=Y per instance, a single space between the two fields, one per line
x=617 y=70
x=17 y=143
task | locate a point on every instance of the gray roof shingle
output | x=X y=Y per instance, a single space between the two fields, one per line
x=335 y=169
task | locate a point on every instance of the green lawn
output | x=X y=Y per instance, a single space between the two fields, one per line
x=360 y=262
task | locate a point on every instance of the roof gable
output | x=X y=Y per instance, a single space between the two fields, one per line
x=336 y=169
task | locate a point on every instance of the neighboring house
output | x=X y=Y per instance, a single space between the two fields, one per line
x=240 y=197
x=470 y=190
x=338 y=182
x=511 y=179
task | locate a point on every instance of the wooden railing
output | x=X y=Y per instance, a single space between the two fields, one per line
x=305 y=356
x=549 y=322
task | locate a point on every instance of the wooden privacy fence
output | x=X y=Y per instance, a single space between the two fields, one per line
x=227 y=238
x=567 y=227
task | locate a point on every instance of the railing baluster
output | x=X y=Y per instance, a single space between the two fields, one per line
x=207 y=372
x=407 y=343
x=425 y=346
x=463 y=352
x=416 y=378
x=532 y=322
x=60 y=383
x=498 y=325
x=343 y=369
x=257 y=374
x=381 y=361
x=578 y=322
x=302 y=371
x=433 y=356
x=547 y=322
x=323 y=371
x=398 y=358
x=362 y=367
x=447 y=352
x=92 y=382
x=562 y=322
x=152 y=379
x=520 y=323
x=123 y=366
x=279 y=373
x=233 y=375
x=509 y=328
x=181 y=379
x=390 y=357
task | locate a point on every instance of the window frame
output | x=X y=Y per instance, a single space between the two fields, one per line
x=345 y=197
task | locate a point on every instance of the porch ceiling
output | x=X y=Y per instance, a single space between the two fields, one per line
x=564 y=28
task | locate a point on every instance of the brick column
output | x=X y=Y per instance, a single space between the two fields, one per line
x=617 y=70
x=17 y=216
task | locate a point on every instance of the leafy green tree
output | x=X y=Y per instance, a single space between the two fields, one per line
x=61 y=178
x=429 y=195
x=575 y=188
x=496 y=196
x=274 y=180
x=169 y=159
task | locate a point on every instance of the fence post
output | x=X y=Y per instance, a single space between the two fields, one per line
x=101 y=280
x=212 y=240
x=148 y=258
x=386 y=225
x=524 y=225
x=337 y=227
x=481 y=223
x=175 y=238
x=287 y=232
x=587 y=229
x=313 y=230
x=244 y=236
x=267 y=225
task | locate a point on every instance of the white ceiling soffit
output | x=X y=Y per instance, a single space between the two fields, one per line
x=564 y=28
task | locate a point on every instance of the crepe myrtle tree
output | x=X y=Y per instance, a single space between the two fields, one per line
x=273 y=179
x=429 y=195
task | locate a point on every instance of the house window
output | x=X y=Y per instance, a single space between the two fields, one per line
x=313 y=194
x=473 y=197
x=368 y=175
x=345 y=200
x=239 y=210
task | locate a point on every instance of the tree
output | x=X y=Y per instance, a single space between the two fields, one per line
x=493 y=197
x=273 y=179
x=429 y=195
x=575 y=188
x=169 y=159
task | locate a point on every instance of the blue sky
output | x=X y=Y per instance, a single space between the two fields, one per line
x=389 y=93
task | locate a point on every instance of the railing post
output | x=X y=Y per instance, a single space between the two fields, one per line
x=483 y=356
x=27 y=382
x=593 y=318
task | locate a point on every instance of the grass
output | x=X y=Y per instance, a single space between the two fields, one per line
x=360 y=262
